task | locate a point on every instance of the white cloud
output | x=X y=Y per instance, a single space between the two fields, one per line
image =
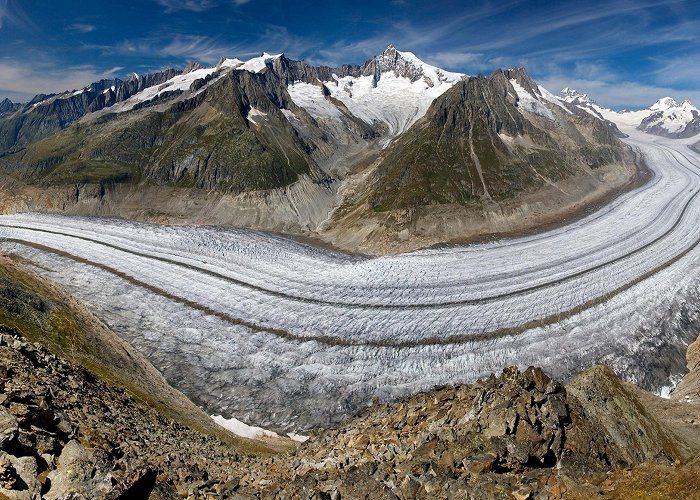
x=81 y=27
x=454 y=59
x=187 y=47
x=206 y=49
x=22 y=81
x=679 y=70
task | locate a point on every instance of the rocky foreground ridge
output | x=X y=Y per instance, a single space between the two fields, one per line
x=66 y=434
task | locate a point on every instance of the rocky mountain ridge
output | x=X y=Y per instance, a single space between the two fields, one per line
x=277 y=144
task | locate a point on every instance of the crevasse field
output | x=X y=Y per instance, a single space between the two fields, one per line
x=287 y=336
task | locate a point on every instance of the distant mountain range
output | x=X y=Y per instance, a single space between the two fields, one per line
x=388 y=155
x=665 y=117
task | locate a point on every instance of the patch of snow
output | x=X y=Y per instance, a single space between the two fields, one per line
x=665 y=391
x=530 y=103
x=255 y=113
x=311 y=98
x=258 y=64
x=507 y=139
x=230 y=63
x=241 y=429
x=547 y=95
x=177 y=83
x=290 y=116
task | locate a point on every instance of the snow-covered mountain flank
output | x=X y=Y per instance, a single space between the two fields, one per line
x=275 y=143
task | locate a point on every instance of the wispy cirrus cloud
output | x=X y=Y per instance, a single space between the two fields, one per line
x=682 y=70
x=196 y=5
x=198 y=47
x=208 y=49
x=12 y=13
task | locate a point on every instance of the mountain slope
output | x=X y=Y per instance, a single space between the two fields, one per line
x=483 y=146
x=277 y=144
x=230 y=137
x=46 y=114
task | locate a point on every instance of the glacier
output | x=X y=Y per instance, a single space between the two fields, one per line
x=287 y=336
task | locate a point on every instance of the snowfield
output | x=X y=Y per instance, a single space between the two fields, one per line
x=286 y=336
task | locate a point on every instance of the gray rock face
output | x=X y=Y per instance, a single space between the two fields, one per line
x=7 y=106
x=521 y=433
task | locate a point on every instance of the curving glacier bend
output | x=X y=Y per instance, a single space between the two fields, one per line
x=288 y=336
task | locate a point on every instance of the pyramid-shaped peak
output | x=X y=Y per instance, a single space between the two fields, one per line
x=520 y=76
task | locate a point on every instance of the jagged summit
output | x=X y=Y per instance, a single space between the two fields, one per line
x=406 y=65
x=191 y=66
x=7 y=106
x=573 y=96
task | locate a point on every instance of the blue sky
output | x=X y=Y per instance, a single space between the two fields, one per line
x=624 y=53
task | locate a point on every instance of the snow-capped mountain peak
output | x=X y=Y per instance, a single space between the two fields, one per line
x=408 y=65
x=664 y=104
x=573 y=96
x=665 y=117
x=394 y=88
